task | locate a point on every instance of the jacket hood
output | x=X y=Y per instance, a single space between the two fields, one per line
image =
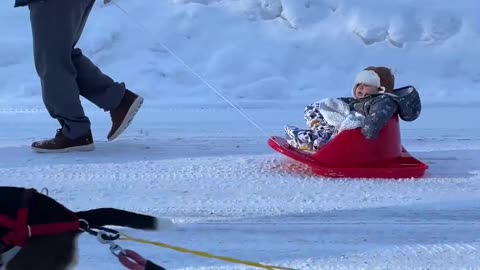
x=409 y=104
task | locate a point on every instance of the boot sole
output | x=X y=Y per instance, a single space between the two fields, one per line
x=81 y=148
x=136 y=105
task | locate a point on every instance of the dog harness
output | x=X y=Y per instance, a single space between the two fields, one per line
x=19 y=230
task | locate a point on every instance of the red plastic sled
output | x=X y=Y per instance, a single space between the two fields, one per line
x=350 y=155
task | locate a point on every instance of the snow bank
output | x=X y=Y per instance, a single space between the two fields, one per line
x=267 y=50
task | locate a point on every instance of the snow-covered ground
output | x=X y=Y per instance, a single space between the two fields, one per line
x=191 y=157
x=231 y=195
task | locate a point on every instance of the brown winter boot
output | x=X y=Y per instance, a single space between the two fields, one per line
x=124 y=113
x=62 y=144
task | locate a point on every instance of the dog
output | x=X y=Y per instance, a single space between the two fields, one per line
x=43 y=233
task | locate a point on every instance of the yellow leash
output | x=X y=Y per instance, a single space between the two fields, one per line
x=203 y=254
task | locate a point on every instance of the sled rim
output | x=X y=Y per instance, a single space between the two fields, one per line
x=402 y=167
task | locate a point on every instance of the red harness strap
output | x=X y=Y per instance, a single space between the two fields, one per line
x=20 y=230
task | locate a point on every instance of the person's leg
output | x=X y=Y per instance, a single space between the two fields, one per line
x=300 y=138
x=323 y=132
x=322 y=137
x=102 y=90
x=107 y=94
x=55 y=25
x=93 y=84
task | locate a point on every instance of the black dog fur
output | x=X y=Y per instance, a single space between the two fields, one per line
x=59 y=251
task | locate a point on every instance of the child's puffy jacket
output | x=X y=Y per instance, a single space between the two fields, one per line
x=378 y=109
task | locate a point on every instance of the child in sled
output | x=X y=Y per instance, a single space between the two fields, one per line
x=373 y=104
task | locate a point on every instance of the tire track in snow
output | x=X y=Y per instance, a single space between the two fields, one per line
x=225 y=187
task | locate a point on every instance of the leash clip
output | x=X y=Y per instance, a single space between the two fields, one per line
x=116 y=249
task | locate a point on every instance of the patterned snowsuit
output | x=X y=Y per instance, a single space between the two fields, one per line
x=318 y=131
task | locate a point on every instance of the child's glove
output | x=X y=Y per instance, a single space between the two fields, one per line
x=314 y=123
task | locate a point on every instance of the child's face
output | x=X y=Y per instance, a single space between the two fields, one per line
x=363 y=90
